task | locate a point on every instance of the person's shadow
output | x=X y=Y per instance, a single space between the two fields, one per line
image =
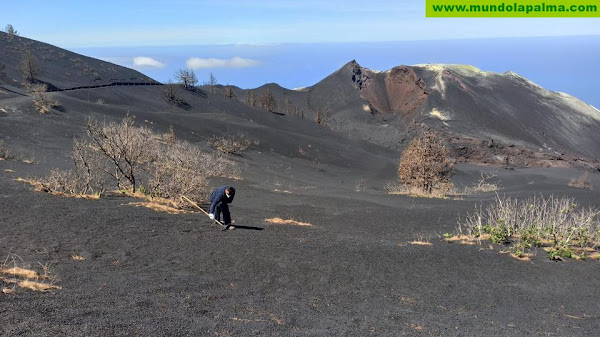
x=248 y=228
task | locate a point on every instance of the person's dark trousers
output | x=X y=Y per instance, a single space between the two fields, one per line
x=222 y=207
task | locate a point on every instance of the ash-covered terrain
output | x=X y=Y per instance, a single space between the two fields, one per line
x=347 y=267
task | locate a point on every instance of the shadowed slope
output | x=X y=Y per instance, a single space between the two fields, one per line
x=59 y=67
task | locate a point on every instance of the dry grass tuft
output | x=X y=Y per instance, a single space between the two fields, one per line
x=417 y=327
x=421 y=243
x=38 y=286
x=77 y=257
x=280 y=221
x=21 y=272
x=582 y=182
x=9 y=171
x=36 y=184
x=24 y=277
x=157 y=206
x=396 y=188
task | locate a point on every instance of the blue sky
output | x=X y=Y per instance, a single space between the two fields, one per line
x=296 y=43
x=178 y=22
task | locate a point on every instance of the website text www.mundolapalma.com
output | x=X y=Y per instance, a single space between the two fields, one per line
x=508 y=8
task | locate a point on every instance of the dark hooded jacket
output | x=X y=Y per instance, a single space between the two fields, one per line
x=218 y=196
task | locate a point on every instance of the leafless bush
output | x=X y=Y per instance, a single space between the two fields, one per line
x=486 y=183
x=29 y=67
x=171 y=95
x=228 y=92
x=323 y=116
x=231 y=144
x=138 y=159
x=41 y=98
x=534 y=222
x=267 y=101
x=5 y=152
x=61 y=182
x=582 y=182
x=251 y=99
x=212 y=83
x=360 y=185
x=425 y=166
x=187 y=78
x=128 y=147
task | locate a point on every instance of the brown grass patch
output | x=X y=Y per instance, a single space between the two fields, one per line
x=8 y=290
x=77 y=257
x=157 y=206
x=9 y=171
x=468 y=240
x=417 y=327
x=38 y=286
x=421 y=243
x=38 y=186
x=21 y=272
x=280 y=221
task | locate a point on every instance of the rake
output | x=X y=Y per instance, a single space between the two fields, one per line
x=183 y=197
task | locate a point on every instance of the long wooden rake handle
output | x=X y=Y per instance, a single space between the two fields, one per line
x=183 y=197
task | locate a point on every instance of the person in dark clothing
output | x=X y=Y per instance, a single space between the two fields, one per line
x=219 y=200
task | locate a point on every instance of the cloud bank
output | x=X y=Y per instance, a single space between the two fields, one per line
x=144 y=61
x=196 y=63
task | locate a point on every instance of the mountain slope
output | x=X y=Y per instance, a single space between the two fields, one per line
x=60 y=68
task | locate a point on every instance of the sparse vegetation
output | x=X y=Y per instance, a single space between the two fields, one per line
x=212 y=83
x=231 y=144
x=5 y=152
x=41 y=98
x=323 y=116
x=187 y=77
x=280 y=221
x=228 y=92
x=171 y=94
x=251 y=98
x=2 y=71
x=14 y=274
x=360 y=185
x=137 y=161
x=583 y=181
x=30 y=68
x=10 y=30
x=559 y=225
x=424 y=166
x=267 y=101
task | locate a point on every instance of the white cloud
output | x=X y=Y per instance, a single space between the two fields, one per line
x=196 y=63
x=144 y=61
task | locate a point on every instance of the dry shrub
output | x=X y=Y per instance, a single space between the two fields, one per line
x=582 y=182
x=425 y=166
x=126 y=146
x=13 y=274
x=231 y=144
x=180 y=169
x=5 y=152
x=558 y=223
x=359 y=186
x=41 y=98
x=171 y=94
x=140 y=162
x=441 y=190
